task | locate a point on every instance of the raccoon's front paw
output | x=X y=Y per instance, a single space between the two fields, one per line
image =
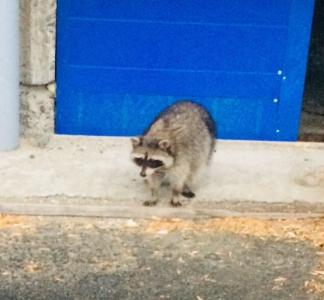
x=150 y=202
x=175 y=203
x=188 y=194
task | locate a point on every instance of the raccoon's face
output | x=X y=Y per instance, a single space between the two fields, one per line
x=151 y=155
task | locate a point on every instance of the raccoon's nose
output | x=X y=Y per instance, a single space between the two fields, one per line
x=143 y=174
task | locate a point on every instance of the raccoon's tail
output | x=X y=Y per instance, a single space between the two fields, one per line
x=211 y=126
x=210 y=123
x=212 y=148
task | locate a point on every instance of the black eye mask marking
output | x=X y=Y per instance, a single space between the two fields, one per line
x=153 y=164
x=149 y=163
x=139 y=161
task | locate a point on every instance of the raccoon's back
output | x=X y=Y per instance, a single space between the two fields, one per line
x=185 y=124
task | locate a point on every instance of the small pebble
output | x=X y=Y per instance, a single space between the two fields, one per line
x=131 y=223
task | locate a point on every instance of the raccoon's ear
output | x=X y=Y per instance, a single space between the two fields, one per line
x=164 y=144
x=136 y=141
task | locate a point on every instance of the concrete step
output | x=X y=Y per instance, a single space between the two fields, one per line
x=94 y=176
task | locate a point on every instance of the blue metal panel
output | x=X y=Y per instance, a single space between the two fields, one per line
x=176 y=46
x=247 y=12
x=120 y=62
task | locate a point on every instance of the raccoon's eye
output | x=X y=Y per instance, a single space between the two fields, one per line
x=151 y=163
x=139 y=161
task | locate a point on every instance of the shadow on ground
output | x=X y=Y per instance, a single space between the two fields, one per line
x=78 y=258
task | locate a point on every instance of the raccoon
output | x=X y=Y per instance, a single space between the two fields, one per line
x=178 y=143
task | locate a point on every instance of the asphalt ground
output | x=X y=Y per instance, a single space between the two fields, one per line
x=101 y=258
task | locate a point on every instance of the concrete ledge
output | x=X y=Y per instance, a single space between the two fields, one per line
x=136 y=211
x=93 y=176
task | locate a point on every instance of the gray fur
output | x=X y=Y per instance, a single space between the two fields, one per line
x=183 y=137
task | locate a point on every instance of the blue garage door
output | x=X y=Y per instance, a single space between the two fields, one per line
x=121 y=62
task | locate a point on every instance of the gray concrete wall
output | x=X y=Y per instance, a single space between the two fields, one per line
x=38 y=29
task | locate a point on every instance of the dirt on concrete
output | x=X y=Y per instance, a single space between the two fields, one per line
x=228 y=258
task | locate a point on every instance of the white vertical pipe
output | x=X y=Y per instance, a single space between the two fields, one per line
x=9 y=74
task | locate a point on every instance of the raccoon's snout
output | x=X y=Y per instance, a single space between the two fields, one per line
x=142 y=173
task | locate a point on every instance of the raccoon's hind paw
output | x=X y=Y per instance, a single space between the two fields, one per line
x=175 y=203
x=150 y=202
